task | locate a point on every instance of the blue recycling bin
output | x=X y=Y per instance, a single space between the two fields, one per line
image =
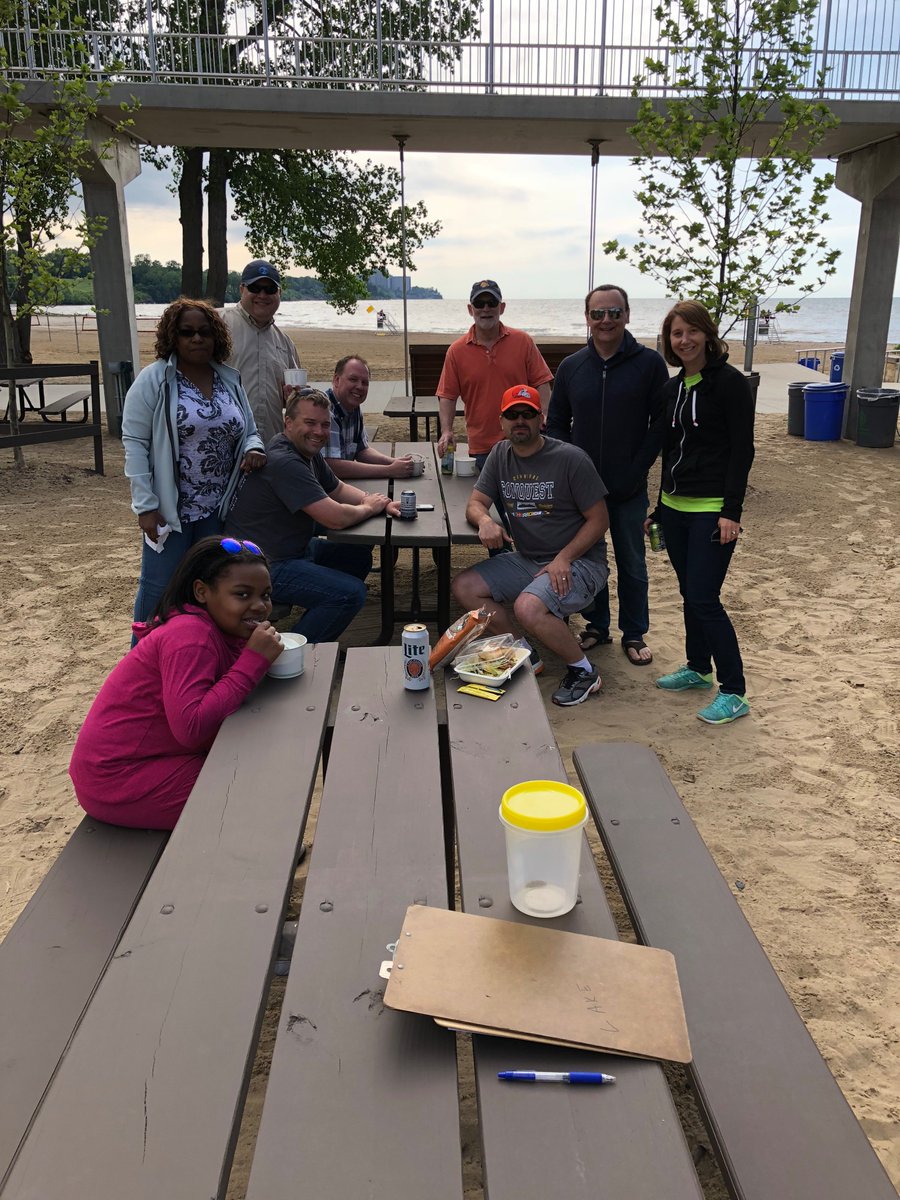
x=812 y=363
x=837 y=367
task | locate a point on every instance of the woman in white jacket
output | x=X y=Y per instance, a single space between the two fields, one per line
x=188 y=433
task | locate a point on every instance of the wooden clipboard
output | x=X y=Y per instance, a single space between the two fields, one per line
x=524 y=981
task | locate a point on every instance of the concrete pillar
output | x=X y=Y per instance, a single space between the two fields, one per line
x=872 y=176
x=103 y=187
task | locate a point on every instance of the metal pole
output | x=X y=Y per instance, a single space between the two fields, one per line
x=401 y=139
x=379 y=44
x=750 y=334
x=490 y=50
x=594 y=143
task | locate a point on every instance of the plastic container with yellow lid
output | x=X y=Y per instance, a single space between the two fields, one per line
x=543 y=821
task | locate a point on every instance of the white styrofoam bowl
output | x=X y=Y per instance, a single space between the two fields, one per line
x=289 y=663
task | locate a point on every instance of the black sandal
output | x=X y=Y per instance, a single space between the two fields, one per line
x=591 y=636
x=636 y=644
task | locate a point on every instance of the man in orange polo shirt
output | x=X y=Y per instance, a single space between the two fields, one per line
x=480 y=366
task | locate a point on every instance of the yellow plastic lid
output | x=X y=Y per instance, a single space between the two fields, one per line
x=543 y=805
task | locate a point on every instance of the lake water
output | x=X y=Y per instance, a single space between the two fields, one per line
x=819 y=320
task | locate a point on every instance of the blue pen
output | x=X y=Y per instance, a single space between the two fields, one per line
x=558 y=1076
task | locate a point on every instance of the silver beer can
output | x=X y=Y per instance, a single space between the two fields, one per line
x=416 y=651
x=407 y=506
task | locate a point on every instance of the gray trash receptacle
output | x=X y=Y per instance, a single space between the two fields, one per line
x=877 y=410
x=796 y=409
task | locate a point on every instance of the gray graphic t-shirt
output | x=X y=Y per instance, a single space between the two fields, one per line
x=544 y=495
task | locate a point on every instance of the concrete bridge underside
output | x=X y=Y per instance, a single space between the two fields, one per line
x=866 y=145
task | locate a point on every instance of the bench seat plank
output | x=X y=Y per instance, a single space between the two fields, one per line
x=361 y=1100
x=777 y=1119
x=54 y=956
x=147 y=1101
x=620 y=1143
x=61 y=406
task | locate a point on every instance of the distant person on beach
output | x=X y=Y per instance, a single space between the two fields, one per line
x=280 y=508
x=203 y=650
x=380 y=318
x=554 y=503
x=262 y=353
x=188 y=433
x=480 y=366
x=707 y=455
x=605 y=399
x=348 y=451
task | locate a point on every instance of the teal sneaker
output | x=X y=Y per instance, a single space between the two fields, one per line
x=726 y=707
x=682 y=679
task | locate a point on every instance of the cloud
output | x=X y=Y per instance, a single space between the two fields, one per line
x=524 y=219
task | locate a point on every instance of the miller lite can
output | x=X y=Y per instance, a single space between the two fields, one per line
x=416 y=651
x=407 y=506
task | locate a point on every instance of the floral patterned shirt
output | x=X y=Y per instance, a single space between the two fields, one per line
x=210 y=434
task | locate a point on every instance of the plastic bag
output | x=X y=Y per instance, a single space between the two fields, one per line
x=492 y=655
x=459 y=634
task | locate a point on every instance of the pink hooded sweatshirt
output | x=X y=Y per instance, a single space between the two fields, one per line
x=148 y=732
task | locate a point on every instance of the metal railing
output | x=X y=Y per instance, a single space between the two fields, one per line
x=513 y=47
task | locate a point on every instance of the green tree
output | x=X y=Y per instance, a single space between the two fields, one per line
x=730 y=211
x=301 y=207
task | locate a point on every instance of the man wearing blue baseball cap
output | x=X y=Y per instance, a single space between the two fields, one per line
x=261 y=352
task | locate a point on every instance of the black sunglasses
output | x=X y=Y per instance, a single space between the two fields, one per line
x=521 y=414
x=485 y=303
x=267 y=289
x=597 y=314
x=185 y=331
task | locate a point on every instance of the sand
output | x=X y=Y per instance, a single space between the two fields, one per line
x=799 y=802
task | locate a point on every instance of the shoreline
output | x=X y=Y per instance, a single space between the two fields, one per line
x=320 y=349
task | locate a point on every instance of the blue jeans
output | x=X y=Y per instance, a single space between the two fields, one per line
x=626 y=529
x=327 y=582
x=158 y=569
x=480 y=460
x=701 y=566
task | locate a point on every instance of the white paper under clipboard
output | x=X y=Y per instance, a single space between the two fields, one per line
x=511 y=979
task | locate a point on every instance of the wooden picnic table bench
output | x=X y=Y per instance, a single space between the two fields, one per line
x=60 y=408
x=61 y=430
x=141 y=1093
x=778 y=1122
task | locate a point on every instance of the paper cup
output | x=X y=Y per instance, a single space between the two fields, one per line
x=418 y=465
x=296 y=377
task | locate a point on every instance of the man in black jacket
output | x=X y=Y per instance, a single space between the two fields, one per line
x=605 y=398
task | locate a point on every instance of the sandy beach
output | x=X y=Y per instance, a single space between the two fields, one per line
x=800 y=802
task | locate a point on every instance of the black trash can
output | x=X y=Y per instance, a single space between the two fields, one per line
x=877 y=410
x=796 y=409
x=752 y=378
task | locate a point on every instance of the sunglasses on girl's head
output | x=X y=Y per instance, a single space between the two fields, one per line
x=597 y=314
x=234 y=546
x=485 y=303
x=267 y=289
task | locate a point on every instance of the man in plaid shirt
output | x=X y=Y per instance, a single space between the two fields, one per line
x=348 y=451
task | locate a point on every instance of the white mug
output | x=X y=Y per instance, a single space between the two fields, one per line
x=418 y=465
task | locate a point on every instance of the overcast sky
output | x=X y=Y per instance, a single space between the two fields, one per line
x=523 y=220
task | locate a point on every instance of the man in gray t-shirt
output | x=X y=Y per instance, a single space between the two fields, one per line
x=554 y=500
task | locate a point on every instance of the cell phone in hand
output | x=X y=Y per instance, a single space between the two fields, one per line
x=424 y=508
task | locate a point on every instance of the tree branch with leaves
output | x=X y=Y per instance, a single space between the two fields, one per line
x=732 y=210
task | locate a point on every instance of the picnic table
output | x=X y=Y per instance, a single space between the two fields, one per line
x=435 y=532
x=129 y=1080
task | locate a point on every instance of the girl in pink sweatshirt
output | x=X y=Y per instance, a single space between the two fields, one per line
x=200 y=654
